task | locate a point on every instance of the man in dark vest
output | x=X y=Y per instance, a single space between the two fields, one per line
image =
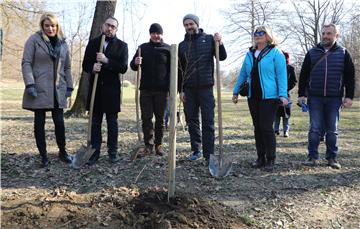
x=109 y=64
x=327 y=72
x=196 y=81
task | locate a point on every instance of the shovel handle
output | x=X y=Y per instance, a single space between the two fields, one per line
x=138 y=75
x=218 y=84
x=93 y=92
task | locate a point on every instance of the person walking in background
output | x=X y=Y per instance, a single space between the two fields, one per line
x=46 y=69
x=196 y=80
x=264 y=68
x=154 y=87
x=284 y=112
x=108 y=65
x=327 y=71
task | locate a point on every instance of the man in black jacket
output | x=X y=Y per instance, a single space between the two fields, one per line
x=154 y=87
x=108 y=65
x=327 y=70
x=196 y=81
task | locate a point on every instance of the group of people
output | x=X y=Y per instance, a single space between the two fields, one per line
x=47 y=75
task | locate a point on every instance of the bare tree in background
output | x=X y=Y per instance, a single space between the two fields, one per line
x=311 y=16
x=244 y=17
x=103 y=9
x=19 y=20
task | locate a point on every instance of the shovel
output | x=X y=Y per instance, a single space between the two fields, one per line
x=139 y=148
x=218 y=166
x=84 y=154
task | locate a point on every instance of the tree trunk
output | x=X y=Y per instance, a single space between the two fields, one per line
x=103 y=9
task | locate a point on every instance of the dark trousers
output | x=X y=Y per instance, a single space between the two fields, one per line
x=153 y=103
x=196 y=100
x=112 y=131
x=39 y=129
x=263 y=115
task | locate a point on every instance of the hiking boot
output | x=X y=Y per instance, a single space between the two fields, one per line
x=258 y=164
x=65 y=157
x=113 y=157
x=159 y=150
x=94 y=158
x=195 y=156
x=269 y=166
x=334 y=164
x=312 y=162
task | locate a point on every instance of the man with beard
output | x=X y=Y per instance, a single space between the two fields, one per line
x=327 y=71
x=196 y=81
x=108 y=65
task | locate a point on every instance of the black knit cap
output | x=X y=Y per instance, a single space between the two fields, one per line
x=156 y=28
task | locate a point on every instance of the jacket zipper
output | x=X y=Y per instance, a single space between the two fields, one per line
x=325 y=80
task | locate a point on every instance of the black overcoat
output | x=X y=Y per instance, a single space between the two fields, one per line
x=107 y=97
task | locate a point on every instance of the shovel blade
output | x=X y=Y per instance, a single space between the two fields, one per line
x=219 y=167
x=82 y=156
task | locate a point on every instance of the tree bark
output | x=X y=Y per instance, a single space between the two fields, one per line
x=103 y=9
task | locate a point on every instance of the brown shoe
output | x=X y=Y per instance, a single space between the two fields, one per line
x=159 y=150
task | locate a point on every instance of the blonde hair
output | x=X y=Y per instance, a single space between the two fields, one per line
x=270 y=37
x=51 y=17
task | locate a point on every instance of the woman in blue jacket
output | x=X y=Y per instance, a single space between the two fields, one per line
x=264 y=69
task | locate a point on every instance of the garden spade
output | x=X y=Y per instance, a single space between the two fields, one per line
x=218 y=166
x=84 y=154
x=139 y=148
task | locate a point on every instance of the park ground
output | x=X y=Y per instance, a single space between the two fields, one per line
x=134 y=194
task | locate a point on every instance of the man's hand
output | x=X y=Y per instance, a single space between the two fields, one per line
x=138 y=60
x=97 y=67
x=100 y=57
x=284 y=101
x=347 y=102
x=235 y=99
x=302 y=100
x=182 y=97
x=31 y=91
x=217 y=38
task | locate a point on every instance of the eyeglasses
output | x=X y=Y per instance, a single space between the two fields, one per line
x=259 y=33
x=110 y=26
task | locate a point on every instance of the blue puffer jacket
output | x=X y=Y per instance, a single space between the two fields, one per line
x=272 y=72
x=196 y=61
x=326 y=78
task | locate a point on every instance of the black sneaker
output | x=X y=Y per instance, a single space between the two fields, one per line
x=113 y=157
x=334 y=164
x=277 y=132
x=65 y=157
x=269 y=166
x=311 y=162
x=258 y=164
x=45 y=162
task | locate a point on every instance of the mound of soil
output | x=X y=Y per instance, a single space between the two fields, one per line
x=118 y=208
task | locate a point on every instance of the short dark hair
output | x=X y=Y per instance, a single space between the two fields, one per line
x=113 y=18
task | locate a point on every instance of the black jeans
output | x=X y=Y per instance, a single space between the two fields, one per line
x=196 y=100
x=112 y=131
x=263 y=115
x=39 y=129
x=153 y=103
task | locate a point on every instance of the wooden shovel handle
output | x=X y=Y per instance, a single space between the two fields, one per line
x=218 y=84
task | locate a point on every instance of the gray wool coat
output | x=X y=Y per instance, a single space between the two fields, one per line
x=46 y=74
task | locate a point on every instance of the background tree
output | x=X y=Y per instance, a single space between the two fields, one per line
x=103 y=9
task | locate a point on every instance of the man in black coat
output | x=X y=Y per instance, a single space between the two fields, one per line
x=154 y=87
x=196 y=81
x=109 y=64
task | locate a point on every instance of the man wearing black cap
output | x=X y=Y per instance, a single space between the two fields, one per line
x=196 y=81
x=154 y=87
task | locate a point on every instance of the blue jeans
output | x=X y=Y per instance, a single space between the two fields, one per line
x=112 y=133
x=286 y=125
x=200 y=100
x=324 y=117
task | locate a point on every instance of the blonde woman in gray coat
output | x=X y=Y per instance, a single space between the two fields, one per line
x=47 y=76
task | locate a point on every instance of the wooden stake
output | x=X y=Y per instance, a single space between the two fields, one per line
x=172 y=125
